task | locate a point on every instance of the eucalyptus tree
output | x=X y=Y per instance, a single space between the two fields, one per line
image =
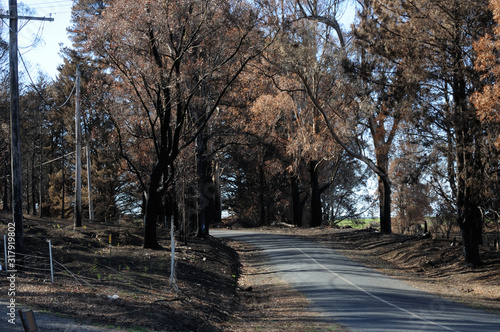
x=359 y=98
x=431 y=41
x=168 y=62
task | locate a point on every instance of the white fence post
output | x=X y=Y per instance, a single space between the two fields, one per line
x=51 y=264
x=172 y=248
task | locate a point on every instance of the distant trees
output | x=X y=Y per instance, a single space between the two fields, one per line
x=282 y=164
x=350 y=102
x=411 y=193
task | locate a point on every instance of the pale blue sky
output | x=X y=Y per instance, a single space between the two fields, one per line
x=44 y=56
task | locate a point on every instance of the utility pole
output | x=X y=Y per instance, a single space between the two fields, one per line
x=78 y=155
x=17 y=194
x=89 y=187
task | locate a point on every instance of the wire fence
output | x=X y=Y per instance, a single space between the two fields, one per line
x=38 y=265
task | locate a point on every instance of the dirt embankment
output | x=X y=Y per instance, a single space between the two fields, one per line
x=124 y=285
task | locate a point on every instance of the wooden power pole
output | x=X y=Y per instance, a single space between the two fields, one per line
x=89 y=186
x=17 y=194
x=78 y=154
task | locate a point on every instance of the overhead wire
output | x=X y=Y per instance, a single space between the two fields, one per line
x=38 y=36
x=50 y=3
x=38 y=91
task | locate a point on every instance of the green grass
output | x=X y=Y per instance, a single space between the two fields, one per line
x=361 y=223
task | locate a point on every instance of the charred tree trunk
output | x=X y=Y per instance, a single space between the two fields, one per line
x=153 y=208
x=316 y=209
x=63 y=207
x=262 y=195
x=384 y=188
x=468 y=194
x=471 y=232
x=5 y=198
x=208 y=201
x=384 y=191
x=172 y=208
x=28 y=205
x=469 y=178
x=33 y=185
x=203 y=201
x=297 y=205
x=217 y=199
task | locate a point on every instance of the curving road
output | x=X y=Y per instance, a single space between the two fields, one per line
x=358 y=297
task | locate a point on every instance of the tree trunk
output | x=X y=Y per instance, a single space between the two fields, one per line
x=316 y=211
x=205 y=187
x=28 y=205
x=468 y=154
x=33 y=186
x=384 y=188
x=262 y=195
x=471 y=238
x=153 y=207
x=150 y=218
x=297 y=206
x=468 y=194
x=384 y=192
x=212 y=187
x=63 y=213
x=217 y=199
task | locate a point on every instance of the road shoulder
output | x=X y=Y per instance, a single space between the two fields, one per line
x=267 y=302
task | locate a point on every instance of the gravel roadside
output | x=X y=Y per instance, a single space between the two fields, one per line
x=47 y=322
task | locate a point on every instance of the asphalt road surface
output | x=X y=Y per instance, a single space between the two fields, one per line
x=358 y=297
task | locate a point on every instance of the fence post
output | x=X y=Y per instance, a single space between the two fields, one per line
x=5 y=251
x=51 y=264
x=172 y=249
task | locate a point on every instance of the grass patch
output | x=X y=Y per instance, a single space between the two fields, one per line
x=360 y=223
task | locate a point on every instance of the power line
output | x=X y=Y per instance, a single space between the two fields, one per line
x=38 y=36
x=38 y=91
x=51 y=2
x=43 y=4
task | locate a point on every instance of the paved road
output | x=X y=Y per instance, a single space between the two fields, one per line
x=356 y=296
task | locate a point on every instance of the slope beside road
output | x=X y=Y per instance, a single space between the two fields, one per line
x=357 y=297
